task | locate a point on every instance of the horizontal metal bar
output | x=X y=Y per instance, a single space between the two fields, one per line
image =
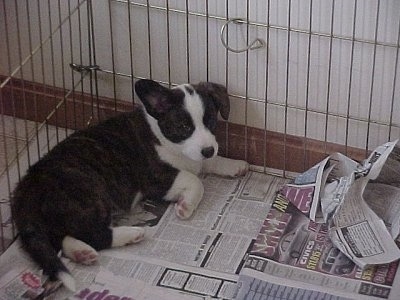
x=273 y=103
x=259 y=24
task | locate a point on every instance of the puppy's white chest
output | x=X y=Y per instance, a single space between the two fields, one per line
x=178 y=160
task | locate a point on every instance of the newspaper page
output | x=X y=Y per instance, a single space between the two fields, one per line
x=297 y=252
x=180 y=259
x=296 y=244
x=355 y=228
x=387 y=187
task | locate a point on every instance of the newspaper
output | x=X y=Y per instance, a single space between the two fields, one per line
x=331 y=233
x=199 y=258
x=246 y=240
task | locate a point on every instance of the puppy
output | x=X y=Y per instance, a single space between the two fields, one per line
x=66 y=199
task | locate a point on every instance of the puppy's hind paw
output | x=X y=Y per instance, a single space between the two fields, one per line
x=85 y=257
x=79 y=251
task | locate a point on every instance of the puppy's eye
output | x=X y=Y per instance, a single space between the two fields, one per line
x=185 y=127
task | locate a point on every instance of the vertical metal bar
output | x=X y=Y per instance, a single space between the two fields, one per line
x=287 y=89
x=71 y=47
x=266 y=88
x=372 y=78
x=33 y=79
x=394 y=84
x=168 y=44
x=7 y=173
x=93 y=61
x=42 y=64
x=246 y=84
x=53 y=72
x=306 y=161
x=112 y=56
x=227 y=80
x=187 y=41
x=207 y=44
x=89 y=40
x=328 y=84
x=19 y=46
x=7 y=33
x=14 y=122
x=94 y=57
x=350 y=76
x=149 y=38
x=63 y=68
x=81 y=62
x=131 y=50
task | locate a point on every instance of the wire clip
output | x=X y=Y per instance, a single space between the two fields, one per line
x=256 y=44
x=83 y=68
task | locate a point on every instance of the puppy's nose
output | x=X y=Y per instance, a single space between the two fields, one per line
x=207 y=152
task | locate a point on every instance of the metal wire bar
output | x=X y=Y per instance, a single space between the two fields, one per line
x=32 y=65
x=372 y=79
x=259 y=24
x=114 y=79
x=7 y=32
x=52 y=63
x=394 y=84
x=187 y=40
x=328 y=81
x=22 y=78
x=227 y=80
x=131 y=51
x=207 y=43
x=149 y=38
x=81 y=59
x=246 y=92
x=71 y=47
x=168 y=44
x=286 y=90
x=272 y=103
x=307 y=100
x=92 y=57
x=62 y=64
x=266 y=90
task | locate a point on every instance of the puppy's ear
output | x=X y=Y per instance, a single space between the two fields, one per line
x=155 y=97
x=218 y=94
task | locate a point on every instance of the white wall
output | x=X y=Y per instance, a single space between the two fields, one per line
x=297 y=88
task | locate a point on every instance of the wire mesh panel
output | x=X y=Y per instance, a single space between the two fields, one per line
x=306 y=77
x=324 y=80
x=42 y=99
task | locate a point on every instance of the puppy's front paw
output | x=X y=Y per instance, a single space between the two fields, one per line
x=242 y=167
x=225 y=166
x=183 y=208
x=235 y=168
x=125 y=235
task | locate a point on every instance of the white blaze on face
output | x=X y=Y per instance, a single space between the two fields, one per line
x=201 y=137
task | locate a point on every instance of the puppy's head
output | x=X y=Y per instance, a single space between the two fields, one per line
x=186 y=116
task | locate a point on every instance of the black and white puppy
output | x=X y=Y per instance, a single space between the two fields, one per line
x=66 y=199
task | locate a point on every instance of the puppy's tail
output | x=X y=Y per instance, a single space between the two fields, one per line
x=38 y=245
